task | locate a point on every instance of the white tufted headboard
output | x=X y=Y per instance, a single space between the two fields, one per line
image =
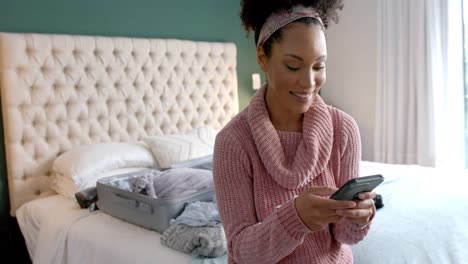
x=60 y=91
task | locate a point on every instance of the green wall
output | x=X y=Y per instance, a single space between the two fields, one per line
x=204 y=20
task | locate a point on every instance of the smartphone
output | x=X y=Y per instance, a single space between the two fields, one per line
x=351 y=189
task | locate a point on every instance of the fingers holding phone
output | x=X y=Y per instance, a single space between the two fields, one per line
x=364 y=210
x=317 y=211
x=360 y=191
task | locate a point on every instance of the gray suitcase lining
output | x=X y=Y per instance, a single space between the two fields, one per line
x=140 y=209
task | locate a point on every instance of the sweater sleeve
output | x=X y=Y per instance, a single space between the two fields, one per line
x=250 y=241
x=345 y=231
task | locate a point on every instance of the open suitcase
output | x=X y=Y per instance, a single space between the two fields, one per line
x=143 y=210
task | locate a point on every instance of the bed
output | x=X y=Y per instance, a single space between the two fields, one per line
x=424 y=218
x=62 y=92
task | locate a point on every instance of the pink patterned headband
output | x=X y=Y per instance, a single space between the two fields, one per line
x=280 y=19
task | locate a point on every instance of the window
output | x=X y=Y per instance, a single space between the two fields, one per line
x=465 y=66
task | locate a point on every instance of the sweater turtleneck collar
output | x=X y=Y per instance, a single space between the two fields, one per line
x=313 y=152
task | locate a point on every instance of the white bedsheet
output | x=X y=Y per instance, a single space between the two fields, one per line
x=56 y=230
x=424 y=218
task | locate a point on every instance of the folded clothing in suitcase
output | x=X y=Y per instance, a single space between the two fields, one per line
x=204 y=162
x=118 y=198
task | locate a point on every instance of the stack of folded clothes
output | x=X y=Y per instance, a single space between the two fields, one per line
x=198 y=230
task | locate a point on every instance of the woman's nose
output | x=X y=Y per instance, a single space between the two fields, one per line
x=308 y=80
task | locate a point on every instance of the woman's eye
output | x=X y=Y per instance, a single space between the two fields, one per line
x=319 y=68
x=292 y=68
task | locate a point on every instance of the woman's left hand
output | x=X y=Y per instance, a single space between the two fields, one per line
x=364 y=210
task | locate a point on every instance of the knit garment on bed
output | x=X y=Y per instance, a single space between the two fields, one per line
x=207 y=241
x=197 y=230
x=258 y=171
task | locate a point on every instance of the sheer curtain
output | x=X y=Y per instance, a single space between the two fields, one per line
x=419 y=110
x=449 y=94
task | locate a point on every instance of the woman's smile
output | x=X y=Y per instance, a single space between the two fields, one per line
x=303 y=97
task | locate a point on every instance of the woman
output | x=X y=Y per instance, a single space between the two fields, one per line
x=277 y=162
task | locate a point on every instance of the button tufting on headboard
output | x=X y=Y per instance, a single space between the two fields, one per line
x=69 y=90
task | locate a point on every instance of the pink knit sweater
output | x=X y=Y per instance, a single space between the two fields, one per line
x=258 y=172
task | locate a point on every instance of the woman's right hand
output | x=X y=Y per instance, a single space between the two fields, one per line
x=316 y=210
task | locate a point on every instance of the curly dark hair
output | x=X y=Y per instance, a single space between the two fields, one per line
x=254 y=13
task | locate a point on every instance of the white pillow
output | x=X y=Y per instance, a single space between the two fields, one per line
x=82 y=166
x=169 y=149
x=67 y=187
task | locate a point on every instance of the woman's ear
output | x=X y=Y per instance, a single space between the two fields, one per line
x=262 y=58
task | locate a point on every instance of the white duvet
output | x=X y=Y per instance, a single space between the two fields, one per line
x=56 y=230
x=424 y=220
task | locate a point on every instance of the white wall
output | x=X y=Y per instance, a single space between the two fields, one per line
x=352 y=67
